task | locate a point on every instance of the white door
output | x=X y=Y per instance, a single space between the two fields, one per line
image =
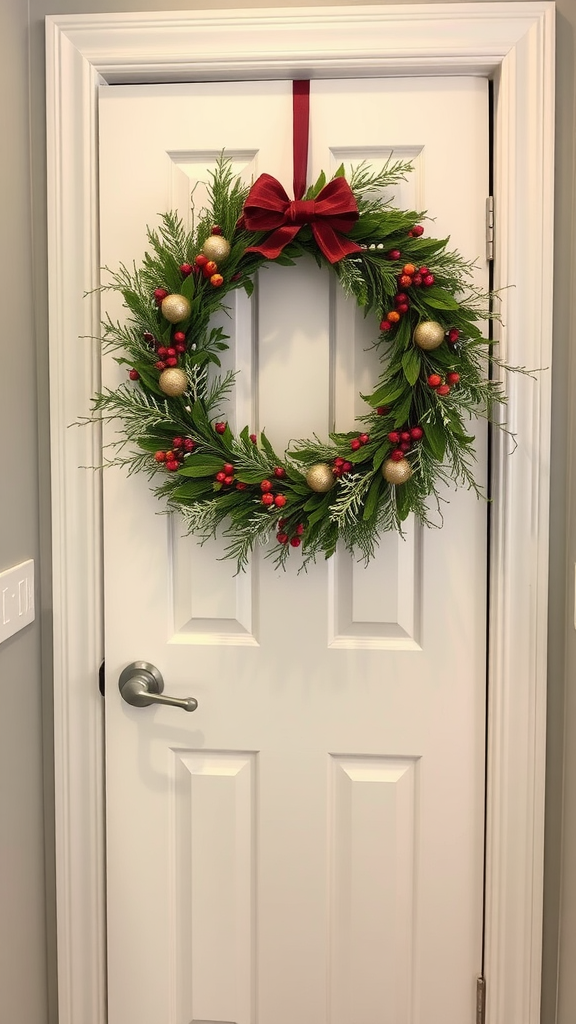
x=307 y=847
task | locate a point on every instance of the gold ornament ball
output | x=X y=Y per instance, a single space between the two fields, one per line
x=396 y=472
x=175 y=308
x=320 y=477
x=216 y=248
x=429 y=335
x=173 y=381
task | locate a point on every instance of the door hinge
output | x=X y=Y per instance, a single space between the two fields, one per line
x=480 y=1000
x=102 y=679
x=490 y=228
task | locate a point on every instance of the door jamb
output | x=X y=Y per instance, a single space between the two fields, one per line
x=513 y=43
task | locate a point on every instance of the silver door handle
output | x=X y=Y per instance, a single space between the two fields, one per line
x=141 y=684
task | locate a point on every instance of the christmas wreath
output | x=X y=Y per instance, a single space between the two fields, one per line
x=415 y=434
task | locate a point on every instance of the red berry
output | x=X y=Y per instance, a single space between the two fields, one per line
x=160 y=365
x=355 y=444
x=216 y=230
x=417 y=280
x=338 y=462
x=268 y=499
x=159 y=295
x=162 y=351
x=453 y=335
x=423 y=271
x=300 y=529
x=266 y=485
x=178 y=442
x=134 y=375
x=405 y=435
x=417 y=230
x=201 y=260
x=280 y=500
x=228 y=480
x=405 y=446
x=172 y=361
x=346 y=467
x=172 y=465
x=170 y=351
x=170 y=456
x=180 y=348
x=189 y=444
x=394 y=437
x=385 y=325
x=279 y=472
x=396 y=455
x=382 y=410
x=185 y=268
x=282 y=538
x=281 y=523
x=228 y=468
x=364 y=438
x=405 y=281
x=452 y=378
x=337 y=470
x=402 y=308
x=241 y=486
x=220 y=477
x=209 y=268
x=400 y=298
x=160 y=456
x=220 y=428
x=416 y=433
x=253 y=438
x=428 y=280
x=394 y=254
x=216 y=280
x=295 y=542
x=444 y=389
x=434 y=380
x=179 y=337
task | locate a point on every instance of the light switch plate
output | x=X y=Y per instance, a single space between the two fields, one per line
x=16 y=598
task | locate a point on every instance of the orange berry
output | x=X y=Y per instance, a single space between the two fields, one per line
x=409 y=269
x=216 y=280
x=393 y=317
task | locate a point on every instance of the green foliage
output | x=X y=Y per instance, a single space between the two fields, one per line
x=192 y=427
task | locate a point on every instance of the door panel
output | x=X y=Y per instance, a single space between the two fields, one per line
x=308 y=845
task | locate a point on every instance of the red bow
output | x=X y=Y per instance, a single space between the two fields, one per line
x=331 y=215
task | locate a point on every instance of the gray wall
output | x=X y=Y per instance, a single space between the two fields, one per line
x=27 y=943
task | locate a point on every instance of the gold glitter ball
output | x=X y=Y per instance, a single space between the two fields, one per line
x=320 y=477
x=397 y=472
x=216 y=248
x=173 y=381
x=428 y=335
x=175 y=308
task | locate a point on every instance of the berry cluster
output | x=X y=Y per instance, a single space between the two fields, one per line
x=358 y=442
x=443 y=387
x=341 y=466
x=284 y=538
x=209 y=269
x=173 y=459
x=411 y=276
x=404 y=440
x=269 y=498
x=226 y=475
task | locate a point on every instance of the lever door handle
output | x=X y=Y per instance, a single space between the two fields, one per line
x=141 y=684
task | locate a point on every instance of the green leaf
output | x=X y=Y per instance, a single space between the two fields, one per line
x=199 y=417
x=436 y=439
x=403 y=411
x=250 y=476
x=188 y=287
x=201 y=465
x=192 y=490
x=385 y=394
x=380 y=454
x=321 y=512
x=411 y=363
x=439 y=299
x=313 y=502
x=317 y=187
x=373 y=497
x=403 y=502
x=340 y=173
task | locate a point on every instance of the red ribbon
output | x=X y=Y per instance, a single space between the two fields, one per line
x=331 y=214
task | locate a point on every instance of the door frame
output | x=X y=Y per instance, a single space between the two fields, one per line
x=513 y=44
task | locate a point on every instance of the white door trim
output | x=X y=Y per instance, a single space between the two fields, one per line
x=514 y=44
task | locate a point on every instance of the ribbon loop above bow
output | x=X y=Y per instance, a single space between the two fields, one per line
x=330 y=215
